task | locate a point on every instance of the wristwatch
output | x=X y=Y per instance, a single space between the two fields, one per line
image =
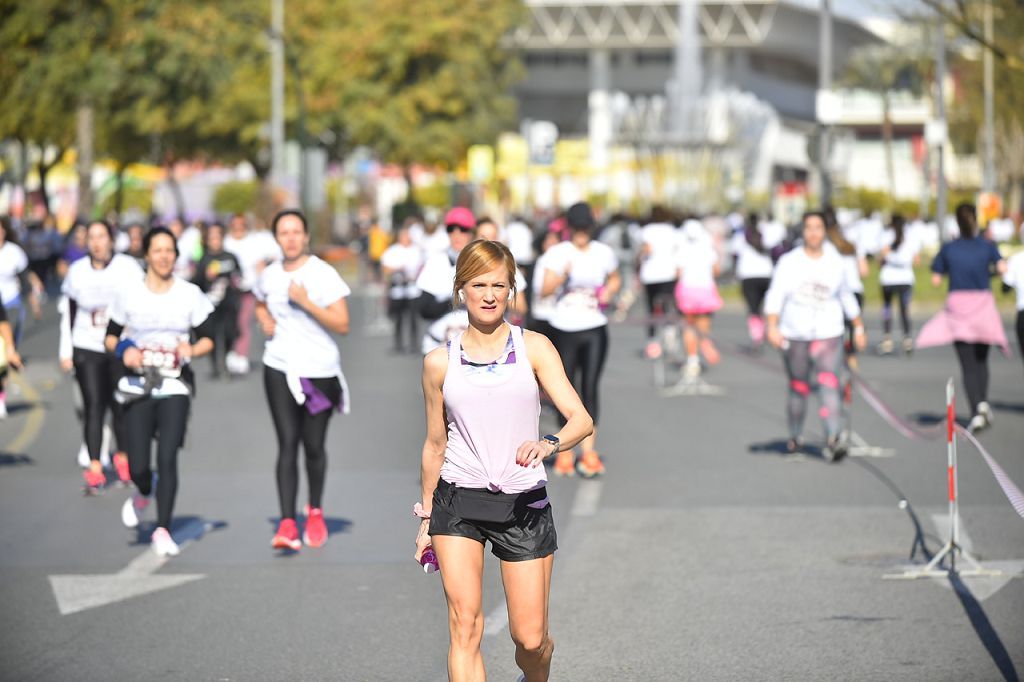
x=554 y=441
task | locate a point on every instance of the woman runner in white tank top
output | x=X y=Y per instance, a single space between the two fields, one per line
x=482 y=465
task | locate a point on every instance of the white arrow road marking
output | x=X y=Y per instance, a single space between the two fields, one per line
x=76 y=593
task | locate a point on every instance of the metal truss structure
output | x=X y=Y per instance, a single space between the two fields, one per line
x=647 y=24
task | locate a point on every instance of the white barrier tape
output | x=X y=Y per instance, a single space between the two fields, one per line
x=1010 y=489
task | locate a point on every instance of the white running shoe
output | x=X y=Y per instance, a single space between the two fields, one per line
x=163 y=544
x=691 y=371
x=83 y=456
x=985 y=410
x=977 y=423
x=132 y=509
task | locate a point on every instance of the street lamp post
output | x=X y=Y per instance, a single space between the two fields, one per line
x=825 y=86
x=277 y=91
x=989 y=181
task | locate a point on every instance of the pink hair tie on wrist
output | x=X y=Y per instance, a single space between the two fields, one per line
x=418 y=510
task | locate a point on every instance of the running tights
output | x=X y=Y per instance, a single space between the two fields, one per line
x=224 y=321
x=754 y=291
x=294 y=424
x=1020 y=331
x=403 y=312
x=810 y=365
x=660 y=300
x=164 y=419
x=583 y=355
x=974 y=366
x=902 y=293
x=97 y=375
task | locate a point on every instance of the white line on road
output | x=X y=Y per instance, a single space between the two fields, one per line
x=76 y=593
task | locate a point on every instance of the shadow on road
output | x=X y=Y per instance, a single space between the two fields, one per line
x=983 y=627
x=182 y=528
x=778 y=447
x=918 y=542
x=1001 y=406
x=10 y=459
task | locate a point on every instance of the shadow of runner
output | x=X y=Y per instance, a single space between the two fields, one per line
x=10 y=459
x=983 y=627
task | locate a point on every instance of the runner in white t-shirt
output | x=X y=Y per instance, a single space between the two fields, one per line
x=401 y=264
x=1014 y=277
x=658 y=272
x=14 y=272
x=89 y=289
x=584 y=274
x=254 y=250
x=697 y=294
x=152 y=324
x=752 y=248
x=301 y=302
x=805 y=310
x=899 y=254
x=435 y=281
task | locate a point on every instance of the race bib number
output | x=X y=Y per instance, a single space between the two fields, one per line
x=166 y=361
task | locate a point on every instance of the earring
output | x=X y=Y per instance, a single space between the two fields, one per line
x=462 y=296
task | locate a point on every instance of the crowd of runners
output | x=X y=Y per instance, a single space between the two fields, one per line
x=501 y=311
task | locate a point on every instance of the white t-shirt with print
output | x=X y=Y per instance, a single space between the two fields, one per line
x=406 y=261
x=520 y=242
x=578 y=308
x=541 y=307
x=300 y=345
x=659 y=265
x=93 y=291
x=158 y=323
x=811 y=296
x=13 y=262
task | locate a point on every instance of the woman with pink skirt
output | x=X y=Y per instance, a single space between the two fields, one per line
x=697 y=295
x=969 y=320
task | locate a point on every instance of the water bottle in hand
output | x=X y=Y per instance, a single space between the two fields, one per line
x=429 y=561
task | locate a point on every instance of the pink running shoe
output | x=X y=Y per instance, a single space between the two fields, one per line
x=316 y=529
x=94 y=482
x=287 y=536
x=124 y=475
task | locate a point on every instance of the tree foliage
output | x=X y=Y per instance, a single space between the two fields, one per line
x=190 y=78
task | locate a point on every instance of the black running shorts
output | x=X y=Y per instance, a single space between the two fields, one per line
x=530 y=535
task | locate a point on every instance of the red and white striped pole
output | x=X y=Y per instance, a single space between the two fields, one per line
x=954 y=512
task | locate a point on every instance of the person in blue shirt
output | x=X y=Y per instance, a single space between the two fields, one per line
x=969 y=320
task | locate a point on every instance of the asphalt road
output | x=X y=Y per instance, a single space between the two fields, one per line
x=703 y=554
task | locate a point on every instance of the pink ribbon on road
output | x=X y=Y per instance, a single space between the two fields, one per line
x=1010 y=489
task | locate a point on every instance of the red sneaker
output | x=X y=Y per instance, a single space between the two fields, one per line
x=316 y=529
x=590 y=465
x=565 y=463
x=94 y=481
x=287 y=536
x=124 y=475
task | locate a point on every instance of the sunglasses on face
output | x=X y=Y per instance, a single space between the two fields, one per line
x=460 y=228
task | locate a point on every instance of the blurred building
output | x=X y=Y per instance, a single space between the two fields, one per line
x=599 y=69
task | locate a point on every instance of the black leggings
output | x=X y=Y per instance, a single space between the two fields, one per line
x=224 y=320
x=1020 y=331
x=902 y=293
x=754 y=291
x=165 y=419
x=403 y=312
x=660 y=300
x=974 y=366
x=850 y=345
x=97 y=375
x=583 y=355
x=293 y=423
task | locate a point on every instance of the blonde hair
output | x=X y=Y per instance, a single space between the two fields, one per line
x=479 y=257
